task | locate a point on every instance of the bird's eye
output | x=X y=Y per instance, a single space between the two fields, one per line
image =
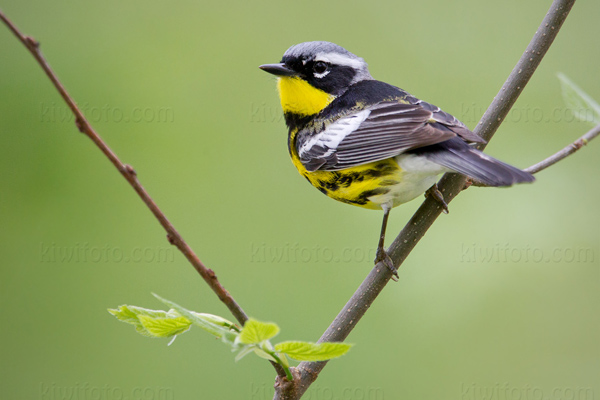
x=320 y=67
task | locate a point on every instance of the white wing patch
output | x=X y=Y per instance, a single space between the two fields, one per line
x=331 y=137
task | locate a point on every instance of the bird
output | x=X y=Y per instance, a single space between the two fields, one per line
x=370 y=144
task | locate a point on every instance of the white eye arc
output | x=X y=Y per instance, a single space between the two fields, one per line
x=321 y=75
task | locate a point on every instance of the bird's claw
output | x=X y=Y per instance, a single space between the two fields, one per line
x=436 y=195
x=384 y=257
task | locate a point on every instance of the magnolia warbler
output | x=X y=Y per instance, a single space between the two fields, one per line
x=367 y=143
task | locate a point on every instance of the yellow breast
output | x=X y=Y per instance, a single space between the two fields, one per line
x=367 y=186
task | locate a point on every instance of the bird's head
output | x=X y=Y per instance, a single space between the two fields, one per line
x=312 y=74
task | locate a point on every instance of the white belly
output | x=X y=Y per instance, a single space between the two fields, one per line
x=418 y=174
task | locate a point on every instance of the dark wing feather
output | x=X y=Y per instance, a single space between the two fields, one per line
x=447 y=120
x=460 y=157
x=384 y=130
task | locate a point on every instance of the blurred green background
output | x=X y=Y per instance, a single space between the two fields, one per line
x=501 y=296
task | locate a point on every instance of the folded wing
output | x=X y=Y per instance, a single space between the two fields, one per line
x=384 y=130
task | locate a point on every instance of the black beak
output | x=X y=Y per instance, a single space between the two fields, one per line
x=278 y=69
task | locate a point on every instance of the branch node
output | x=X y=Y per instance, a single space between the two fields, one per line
x=579 y=143
x=171 y=239
x=80 y=124
x=32 y=43
x=129 y=169
x=285 y=387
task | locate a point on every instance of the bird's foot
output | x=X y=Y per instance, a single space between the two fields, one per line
x=384 y=257
x=435 y=194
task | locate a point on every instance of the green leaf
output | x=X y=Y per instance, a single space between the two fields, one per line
x=217 y=320
x=263 y=354
x=255 y=331
x=584 y=107
x=253 y=337
x=245 y=350
x=306 y=351
x=213 y=324
x=165 y=327
x=131 y=314
x=123 y=313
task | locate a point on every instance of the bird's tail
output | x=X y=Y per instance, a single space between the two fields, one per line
x=458 y=156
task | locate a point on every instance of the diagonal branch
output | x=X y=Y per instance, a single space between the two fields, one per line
x=129 y=174
x=450 y=185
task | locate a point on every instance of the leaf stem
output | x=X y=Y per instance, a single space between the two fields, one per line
x=284 y=365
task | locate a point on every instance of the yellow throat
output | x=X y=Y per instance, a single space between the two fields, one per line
x=300 y=97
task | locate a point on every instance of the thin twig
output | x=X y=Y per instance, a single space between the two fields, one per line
x=554 y=158
x=450 y=185
x=567 y=151
x=129 y=174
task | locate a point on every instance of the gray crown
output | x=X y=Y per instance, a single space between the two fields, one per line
x=308 y=51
